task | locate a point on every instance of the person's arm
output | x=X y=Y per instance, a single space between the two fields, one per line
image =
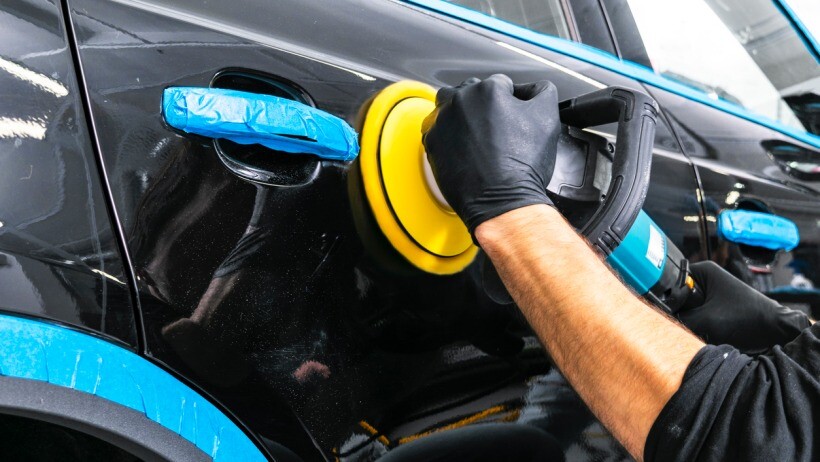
x=624 y=358
x=734 y=407
x=492 y=148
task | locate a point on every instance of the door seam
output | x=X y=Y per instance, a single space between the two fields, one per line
x=111 y=208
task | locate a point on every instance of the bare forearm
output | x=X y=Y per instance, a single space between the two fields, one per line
x=624 y=358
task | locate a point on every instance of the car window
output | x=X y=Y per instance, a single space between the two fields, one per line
x=808 y=13
x=741 y=51
x=545 y=16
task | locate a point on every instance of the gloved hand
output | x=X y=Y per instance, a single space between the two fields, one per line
x=492 y=145
x=737 y=315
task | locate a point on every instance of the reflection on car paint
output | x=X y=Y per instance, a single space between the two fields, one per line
x=60 y=259
x=737 y=173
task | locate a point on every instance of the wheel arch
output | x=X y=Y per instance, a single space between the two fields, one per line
x=60 y=375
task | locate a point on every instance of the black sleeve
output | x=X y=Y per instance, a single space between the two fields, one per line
x=734 y=407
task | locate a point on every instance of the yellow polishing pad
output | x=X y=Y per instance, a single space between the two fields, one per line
x=423 y=230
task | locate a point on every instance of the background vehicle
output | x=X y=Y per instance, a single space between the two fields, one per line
x=256 y=305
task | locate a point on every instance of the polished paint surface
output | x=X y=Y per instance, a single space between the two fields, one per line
x=267 y=296
x=58 y=255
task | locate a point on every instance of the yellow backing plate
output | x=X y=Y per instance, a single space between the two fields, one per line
x=430 y=237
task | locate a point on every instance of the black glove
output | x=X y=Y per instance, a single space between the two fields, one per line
x=492 y=145
x=737 y=315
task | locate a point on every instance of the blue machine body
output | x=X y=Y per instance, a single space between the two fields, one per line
x=641 y=256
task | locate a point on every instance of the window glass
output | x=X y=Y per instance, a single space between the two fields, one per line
x=808 y=11
x=741 y=51
x=545 y=16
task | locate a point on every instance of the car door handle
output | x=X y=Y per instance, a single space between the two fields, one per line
x=796 y=161
x=248 y=119
x=758 y=229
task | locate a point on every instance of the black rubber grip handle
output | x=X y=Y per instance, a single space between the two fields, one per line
x=636 y=114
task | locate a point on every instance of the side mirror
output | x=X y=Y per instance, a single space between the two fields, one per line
x=797 y=162
x=806 y=107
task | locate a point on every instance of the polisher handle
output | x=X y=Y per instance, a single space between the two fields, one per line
x=636 y=115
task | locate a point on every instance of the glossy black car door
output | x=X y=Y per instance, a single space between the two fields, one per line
x=263 y=295
x=59 y=257
x=739 y=170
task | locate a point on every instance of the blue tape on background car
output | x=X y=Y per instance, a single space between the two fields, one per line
x=251 y=118
x=808 y=292
x=641 y=256
x=610 y=62
x=758 y=229
x=60 y=356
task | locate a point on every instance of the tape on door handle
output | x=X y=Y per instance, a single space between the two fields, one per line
x=250 y=118
x=758 y=229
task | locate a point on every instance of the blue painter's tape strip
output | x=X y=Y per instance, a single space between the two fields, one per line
x=758 y=229
x=251 y=118
x=641 y=256
x=607 y=61
x=63 y=357
x=803 y=31
x=795 y=291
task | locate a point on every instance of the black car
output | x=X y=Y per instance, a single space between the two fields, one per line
x=161 y=301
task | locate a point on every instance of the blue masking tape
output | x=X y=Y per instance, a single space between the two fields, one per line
x=610 y=62
x=250 y=118
x=795 y=291
x=63 y=357
x=758 y=229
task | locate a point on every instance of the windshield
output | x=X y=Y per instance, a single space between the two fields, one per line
x=809 y=13
x=742 y=51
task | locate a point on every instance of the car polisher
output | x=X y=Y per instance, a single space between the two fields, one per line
x=600 y=187
x=401 y=194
